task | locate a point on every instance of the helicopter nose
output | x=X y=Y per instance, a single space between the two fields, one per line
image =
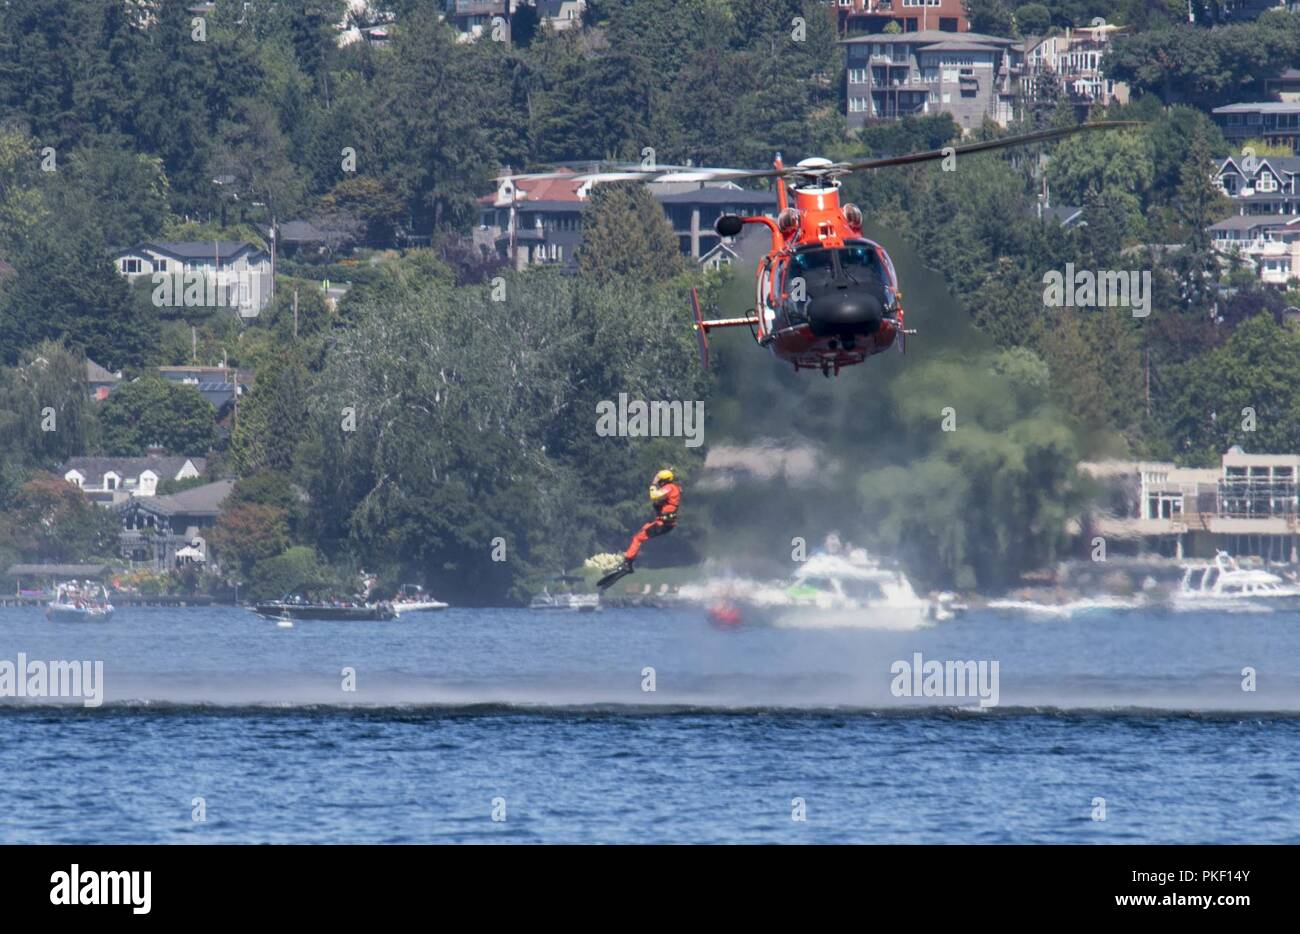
x=845 y=312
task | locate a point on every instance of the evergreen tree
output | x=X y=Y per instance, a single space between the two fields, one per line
x=625 y=235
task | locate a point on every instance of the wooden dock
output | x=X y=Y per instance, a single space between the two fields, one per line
x=120 y=600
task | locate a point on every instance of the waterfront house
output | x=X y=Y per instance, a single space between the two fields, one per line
x=162 y=533
x=1247 y=506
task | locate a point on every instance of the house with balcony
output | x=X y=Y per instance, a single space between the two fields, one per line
x=1261 y=184
x=111 y=481
x=971 y=76
x=539 y=221
x=533 y=221
x=1275 y=122
x=203 y=273
x=1247 y=506
x=1270 y=244
x=1072 y=59
x=859 y=17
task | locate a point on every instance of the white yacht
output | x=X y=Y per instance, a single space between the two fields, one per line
x=1223 y=583
x=835 y=591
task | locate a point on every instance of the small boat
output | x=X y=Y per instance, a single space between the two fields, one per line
x=413 y=598
x=302 y=604
x=580 y=602
x=567 y=599
x=79 y=602
x=1223 y=584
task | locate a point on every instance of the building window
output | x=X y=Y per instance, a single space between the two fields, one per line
x=160 y=265
x=131 y=265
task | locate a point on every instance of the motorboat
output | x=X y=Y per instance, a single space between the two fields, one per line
x=852 y=590
x=79 y=602
x=828 y=590
x=1225 y=584
x=579 y=602
x=412 y=598
x=565 y=600
x=302 y=604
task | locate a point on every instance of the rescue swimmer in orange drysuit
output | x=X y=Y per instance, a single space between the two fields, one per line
x=665 y=496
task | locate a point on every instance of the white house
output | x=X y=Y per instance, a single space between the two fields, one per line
x=1269 y=243
x=201 y=273
x=112 y=480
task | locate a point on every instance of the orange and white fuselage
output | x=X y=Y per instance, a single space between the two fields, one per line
x=825 y=296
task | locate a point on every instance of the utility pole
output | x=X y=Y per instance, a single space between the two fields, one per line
x=274 y=238
x=295 y=314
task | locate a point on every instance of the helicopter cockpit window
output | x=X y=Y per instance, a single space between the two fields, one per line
x=859 y=257
x=808 y=260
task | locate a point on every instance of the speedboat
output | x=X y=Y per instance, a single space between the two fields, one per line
x=413 y=598
x=1222 y=583
x=79 y=602
x=304 y=605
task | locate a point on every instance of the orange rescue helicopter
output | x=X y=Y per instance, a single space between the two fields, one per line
x=825 y=296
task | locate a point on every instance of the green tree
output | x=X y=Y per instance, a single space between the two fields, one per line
x=247 y=534
x=272 y=419
x=49 y=519
x=64 y=288
x=152 y=411
x=1243 y=393
x=625 y=235
x=297 y=567
x=46 y=414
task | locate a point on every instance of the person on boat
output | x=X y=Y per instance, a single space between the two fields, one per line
x=665 y=496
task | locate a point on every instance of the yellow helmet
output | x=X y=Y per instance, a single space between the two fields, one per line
x=664 y=476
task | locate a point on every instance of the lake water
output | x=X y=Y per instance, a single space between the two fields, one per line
x=425 y=729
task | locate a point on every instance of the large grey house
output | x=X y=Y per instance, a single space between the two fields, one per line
x=970 y=75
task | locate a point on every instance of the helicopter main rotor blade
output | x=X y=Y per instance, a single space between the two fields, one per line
x=1042 y=136
x=631 y=173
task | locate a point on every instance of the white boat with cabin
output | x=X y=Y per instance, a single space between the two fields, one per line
x=1224 y=584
